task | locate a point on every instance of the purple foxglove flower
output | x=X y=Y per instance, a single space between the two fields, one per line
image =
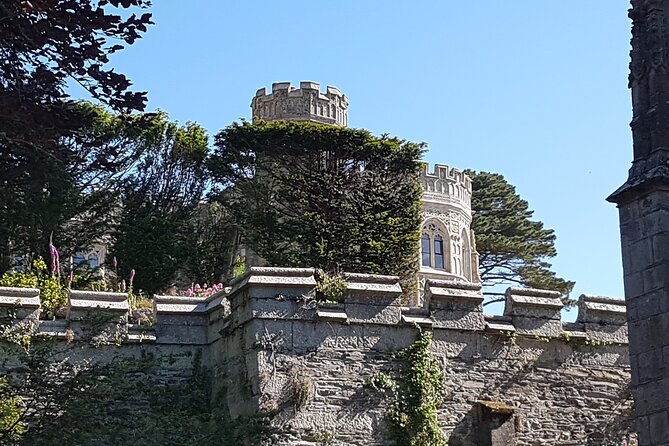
x=114 y=262
x=132 y=276
x=123 y=286
x=197 y=288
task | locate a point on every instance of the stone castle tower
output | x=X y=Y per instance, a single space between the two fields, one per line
x=306 y=103
x=447 y=249
x=643 y=203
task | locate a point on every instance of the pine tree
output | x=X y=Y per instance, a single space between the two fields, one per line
x=513 y=248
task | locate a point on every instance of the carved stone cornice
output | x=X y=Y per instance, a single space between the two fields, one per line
x=649 y=82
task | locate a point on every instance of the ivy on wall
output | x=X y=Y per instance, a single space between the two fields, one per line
x=415 y=397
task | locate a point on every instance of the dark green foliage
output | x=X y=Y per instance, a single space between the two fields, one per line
x=413 y=412
x=512 y=246
x=305 y=194
x=42 y=44
x=160 y=198
x=209 y=246
x=117 y=402
x=71 y=193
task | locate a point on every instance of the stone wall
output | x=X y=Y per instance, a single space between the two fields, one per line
x=272 y=348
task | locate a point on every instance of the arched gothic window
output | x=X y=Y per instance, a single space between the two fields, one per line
x=435 y=247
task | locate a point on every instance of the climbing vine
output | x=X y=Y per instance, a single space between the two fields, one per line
x=414 y=397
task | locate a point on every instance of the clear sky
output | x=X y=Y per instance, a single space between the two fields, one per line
x=534 y=90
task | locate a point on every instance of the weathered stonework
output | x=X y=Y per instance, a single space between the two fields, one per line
x=268 y=341
x=643 y=202
x=306 y=103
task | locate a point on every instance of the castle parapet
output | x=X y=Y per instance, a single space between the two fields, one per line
x=285 y=299
x=534 y=311
x=455 y=304
x=180 y=320
x=100 y=317
x=446 y=186
x=23 y=303
x=306 y=103
x=603 y=318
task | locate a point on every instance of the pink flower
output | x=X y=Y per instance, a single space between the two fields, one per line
x=132 y=276
x=54 y=257
x=123 y=286
x=114 y=262
x=197 y=288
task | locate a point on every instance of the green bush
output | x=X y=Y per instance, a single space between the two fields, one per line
x=53 y=294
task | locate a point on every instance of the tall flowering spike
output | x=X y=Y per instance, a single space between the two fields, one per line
x=114 y=262
x=123 y=286
x=54 y=258
x=132 y=276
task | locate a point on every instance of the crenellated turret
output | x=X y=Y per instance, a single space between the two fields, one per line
x=306 y=103
x=447 y=243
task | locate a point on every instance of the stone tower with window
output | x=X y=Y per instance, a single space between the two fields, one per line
x=447 y=248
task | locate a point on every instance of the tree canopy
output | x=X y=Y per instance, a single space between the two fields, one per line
x=512 y=247
x=50 y=171
x=307 y=194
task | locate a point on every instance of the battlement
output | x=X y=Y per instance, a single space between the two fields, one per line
x=289 y=294
x=306 y=103
x=446 y=187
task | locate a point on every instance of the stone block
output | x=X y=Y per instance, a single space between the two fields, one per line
x=638 y=255
x=534 y=311
x=453 y=294
x=650 y=365
x=181 y=334
x=656 y=277
x=659 y=427
x=455 y=304
x=273 y=308
x=373 y=314
x=388 y=339
x=19 y=303
x=601 y=310
x=311 y=336
x=634 y=286
x=270 y=282
x=655 y=222
x=372 y=289
x=83 y=303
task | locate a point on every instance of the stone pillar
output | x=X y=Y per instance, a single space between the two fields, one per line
x=643 y=202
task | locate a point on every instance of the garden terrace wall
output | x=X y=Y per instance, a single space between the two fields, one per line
x=272 y=348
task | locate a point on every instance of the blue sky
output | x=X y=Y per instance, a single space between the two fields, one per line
x=534 y=90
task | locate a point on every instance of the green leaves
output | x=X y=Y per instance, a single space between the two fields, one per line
x=512 y=246
x=413 y=412
x=306 y=194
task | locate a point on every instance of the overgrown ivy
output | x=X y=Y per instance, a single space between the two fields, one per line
x=312 y=195
x=415 y=396
x=56 y=401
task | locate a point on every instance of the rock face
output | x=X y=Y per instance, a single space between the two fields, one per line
x=643 y=202
x=524 y=378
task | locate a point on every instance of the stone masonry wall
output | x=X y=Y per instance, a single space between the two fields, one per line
x=272 y=348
